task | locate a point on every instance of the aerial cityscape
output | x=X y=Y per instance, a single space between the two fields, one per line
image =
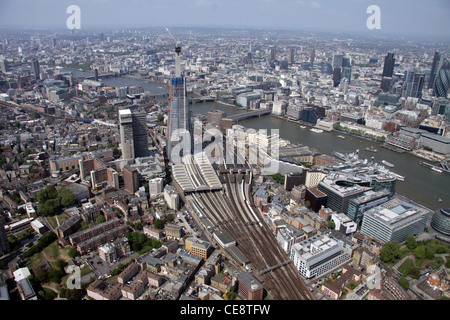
x=197 y=157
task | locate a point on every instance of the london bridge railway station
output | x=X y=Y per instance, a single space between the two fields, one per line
x=221 y=202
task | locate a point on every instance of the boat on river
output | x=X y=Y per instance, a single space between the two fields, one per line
x=436 y=169
x=316 y=130
x=371 y=149
x=432 y=167
x=387 y=163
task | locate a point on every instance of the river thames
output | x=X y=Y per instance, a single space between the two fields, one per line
x=421 y=185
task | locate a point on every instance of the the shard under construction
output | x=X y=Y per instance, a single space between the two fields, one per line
x=179 y=114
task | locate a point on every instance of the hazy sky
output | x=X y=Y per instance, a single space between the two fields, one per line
x=416 y=17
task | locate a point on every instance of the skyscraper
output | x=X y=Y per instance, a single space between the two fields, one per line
x=336 y=76
x=346 y=69
x=337 y=60
x=273 y=52
x=312 y=57
x=437 y=61
x=389 y=61
x=442 y=81
x=291 y=55
x=133 y=133
x=346 y=63
x=35 y=69
x=386 y=84
x=179 y=114
x=126 y=133
x=413 y=84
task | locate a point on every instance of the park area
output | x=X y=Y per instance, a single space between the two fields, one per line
x=415 y=258
x=48 y=262
x=424 y=256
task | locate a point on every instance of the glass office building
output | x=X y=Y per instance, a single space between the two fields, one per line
x=441 y=221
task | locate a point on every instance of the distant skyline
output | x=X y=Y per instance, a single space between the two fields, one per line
x=401 y=17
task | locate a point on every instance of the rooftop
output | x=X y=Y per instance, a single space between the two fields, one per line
x=394 y=211
x=250 y=281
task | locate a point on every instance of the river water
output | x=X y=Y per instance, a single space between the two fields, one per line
x=422 y=185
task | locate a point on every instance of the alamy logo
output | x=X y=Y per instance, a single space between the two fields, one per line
x=74 y=279
x=374 y=21
x=74 y=20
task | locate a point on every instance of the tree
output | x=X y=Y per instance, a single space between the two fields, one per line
x=411 y=242
x=118 y=270
x=429 y=253
x=49 y=207
x=404 y=283
x=158 y=224
x=48 y=294
x=414 y=273
x=278 y=178
x=67 y=198
x=231 y=294
x=71 y=294
x=48 y=193
x=101 y=219
x=136 y=246
x=331 y=224
x=420 y=251
x=27 y=152
x=138 y=225
x=84 y=225
x=72 y=252
x=55 y=275
x=116 y=153
x=390 y=252
x=50 y=200
x=40 y=275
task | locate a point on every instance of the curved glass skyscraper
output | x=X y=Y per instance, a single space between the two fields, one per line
x=442 y=81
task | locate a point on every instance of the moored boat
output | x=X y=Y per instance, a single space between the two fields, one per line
x=387 y=163
x=399 y=177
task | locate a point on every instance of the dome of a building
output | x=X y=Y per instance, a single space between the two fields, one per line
x=441 y=221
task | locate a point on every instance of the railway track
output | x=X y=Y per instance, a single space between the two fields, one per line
x=259 y=245
x=234 y=212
